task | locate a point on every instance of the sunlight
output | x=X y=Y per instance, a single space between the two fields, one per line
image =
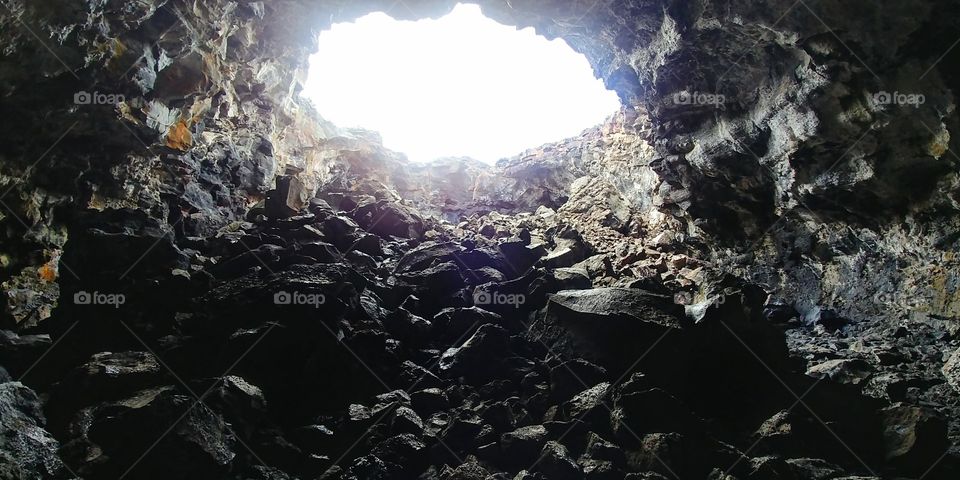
x=463 y=85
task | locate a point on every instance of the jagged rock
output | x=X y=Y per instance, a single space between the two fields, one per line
x=245 y=262
x=389 y=219
x=951 y=370
x=19 y=352
x=480 y=356
x=574 y=376
x=105 y=376
x=466 y=431
x=457 y=323
x=590 y=405
x=298 y=287
x=241 y=403
x=485 y=275
x=613 y=326
x=405 y=420
x=289 y=198
x=814 y=469
x=570 y=249
x=599 y=469
x=596 y=266
x=572 y=278
x=405 y=451
x=522 y=445
x=770 y=467
x=555 y=462
x=407 y=326
x=790 y=433
x=600 y=449
x=663 y=453
x=440 y=279
x=691 y=179
x=519 y=254
x=368 y=467
x=321 y=251
x=415 y=375
x=426 y=255
x=842 y=370
x=914 y=438
x=313 y=438
x=525 y=475
x=30 y=450
x=429 y=400
x=469 y=470
x=201 y=442
x=260 y=472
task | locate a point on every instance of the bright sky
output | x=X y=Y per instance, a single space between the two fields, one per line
x=463 y=85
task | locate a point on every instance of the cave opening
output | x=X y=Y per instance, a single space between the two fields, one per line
x=462 y=85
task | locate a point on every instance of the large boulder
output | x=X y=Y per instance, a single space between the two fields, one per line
x=481 y=357
x=611 y=326
x=30 y=450
x=308 y=289
x=428 y=254
x=914 y=437
x=288 y=199
x=182 y=437
x=386 y=219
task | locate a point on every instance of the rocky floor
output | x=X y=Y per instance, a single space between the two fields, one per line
x=354 y=340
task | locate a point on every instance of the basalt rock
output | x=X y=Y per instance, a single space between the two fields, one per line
x=28 y=449
x=176 y=219
x=951 y=370
x=624 y=321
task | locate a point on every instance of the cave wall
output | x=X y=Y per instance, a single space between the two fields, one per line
x=800 y=178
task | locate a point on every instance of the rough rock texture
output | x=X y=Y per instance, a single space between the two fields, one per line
x=169 y=203
x=258 y=360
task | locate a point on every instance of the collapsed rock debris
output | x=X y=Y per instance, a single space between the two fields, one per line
x=749 y=271
x=270 y=352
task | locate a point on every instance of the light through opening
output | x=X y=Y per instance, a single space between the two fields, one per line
x=461 y=85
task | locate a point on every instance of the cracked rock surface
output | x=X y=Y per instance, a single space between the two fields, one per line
x=749 y=271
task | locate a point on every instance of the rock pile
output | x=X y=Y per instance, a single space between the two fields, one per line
x=352 y=339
